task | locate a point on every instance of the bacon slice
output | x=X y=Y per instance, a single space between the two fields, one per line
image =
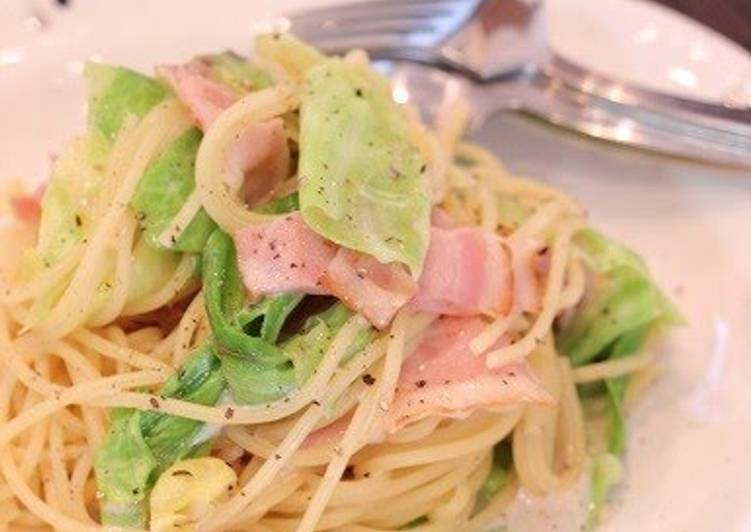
x=443 y=377
x=375 y=290
x=528 y=266
x=205 y=98
x=28 y=207
x=467 y=272
x=284 y=255
x=258 y=160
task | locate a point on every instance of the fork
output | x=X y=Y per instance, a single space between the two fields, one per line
x=495 y=53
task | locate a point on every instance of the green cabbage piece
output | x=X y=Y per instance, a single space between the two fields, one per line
x=622 y=307
x=164 y=188
x=124 y=467
x=288 y=53
x=235 y=72
x=140 y=445
x=116 y=93
x=152 y=268
x=362 y=181
x=307 y=348
x=621 y=298
x=607 y=472
x=78 y=173
x=75 y=183
x=499 y=473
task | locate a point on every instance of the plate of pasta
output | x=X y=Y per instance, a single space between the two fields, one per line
x=251 y=291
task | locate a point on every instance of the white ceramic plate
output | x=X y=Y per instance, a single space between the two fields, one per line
x=687 y=463
x=652 y=46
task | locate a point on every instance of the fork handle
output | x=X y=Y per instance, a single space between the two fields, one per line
x=678 y=134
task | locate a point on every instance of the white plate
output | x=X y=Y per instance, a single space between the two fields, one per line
x=687 y=464
x=651 y=45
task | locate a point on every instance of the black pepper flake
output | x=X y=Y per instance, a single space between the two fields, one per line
x=366 y=474
x=292 y=265
x=272 y=245
x=358 y=93
x=421 y=383
x=153 y=402
x=278 y=456
x=79 y=222
x=229 y=413
x=173 y=239
x=368 y=379
x=276 y=257
x=423 y=168
x=316 y=402
x=182 y=473
x=135 y=491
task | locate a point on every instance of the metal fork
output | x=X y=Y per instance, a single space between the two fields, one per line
x=495 y=52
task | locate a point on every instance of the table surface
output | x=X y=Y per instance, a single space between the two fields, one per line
x=729 y=17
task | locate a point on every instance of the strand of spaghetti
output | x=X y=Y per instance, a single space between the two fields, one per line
x=464 y=494
x=182 y=219
x=81 y=471
x=416 y=431
x=538 y=222
x=186 y=329
x=211 y=162
x=268 y=500
x=548 y=444
x=81 y=371
x=49 y=514
x=160 y=127
x=544 y=321
x=58 y=473
x=78 y=394
x=613 y=368
x=573 y=292
x=123 y=246
x=289 y=445
x=474 y=152
x=104 y=347
x=263 y=448
x=314 y=389
x=491 y=434
x=571 y=441
x=491 y=334
x=374 y=488
x=482 y=521
x=34 y=444
x=45 y=281
x=638 y=382
x=488 y=207
x=362 y=425
x=184 y=272
x=402 y=509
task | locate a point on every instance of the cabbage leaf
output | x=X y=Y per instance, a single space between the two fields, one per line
x=363 y=183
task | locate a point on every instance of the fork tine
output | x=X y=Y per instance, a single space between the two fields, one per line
x=382 y=24
x=366 y=28
x=372 y=9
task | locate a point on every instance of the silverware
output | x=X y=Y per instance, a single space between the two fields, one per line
x=495 y=53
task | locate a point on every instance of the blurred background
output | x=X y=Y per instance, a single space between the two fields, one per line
x=729 y=17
